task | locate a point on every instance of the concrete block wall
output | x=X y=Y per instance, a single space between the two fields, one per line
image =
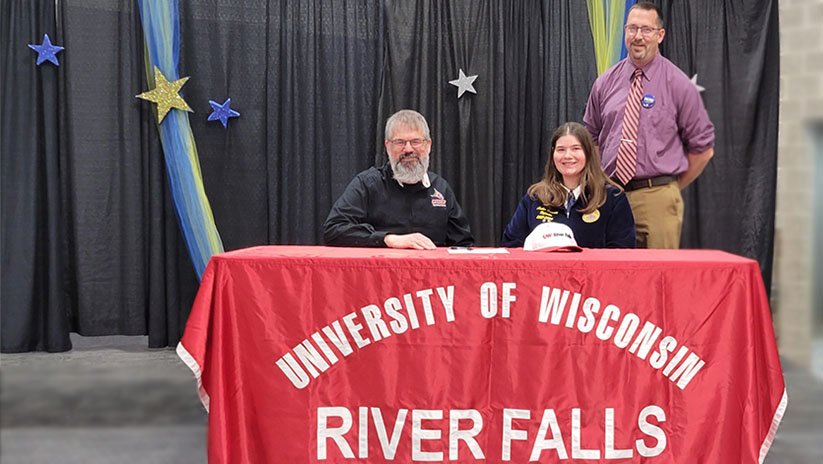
x=801 y=103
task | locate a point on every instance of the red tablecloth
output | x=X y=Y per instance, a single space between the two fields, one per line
x=316 y=354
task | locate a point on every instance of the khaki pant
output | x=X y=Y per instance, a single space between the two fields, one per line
x=658 y=215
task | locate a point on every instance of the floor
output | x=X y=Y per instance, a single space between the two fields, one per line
x=109 y=400
x=112 y=400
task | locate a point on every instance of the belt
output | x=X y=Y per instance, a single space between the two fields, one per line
x=635 y=184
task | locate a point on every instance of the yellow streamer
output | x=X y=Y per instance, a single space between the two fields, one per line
x=606 y=22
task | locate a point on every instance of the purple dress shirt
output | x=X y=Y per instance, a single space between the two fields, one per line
x=673 y=122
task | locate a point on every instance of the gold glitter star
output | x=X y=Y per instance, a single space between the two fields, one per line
x=166 y=95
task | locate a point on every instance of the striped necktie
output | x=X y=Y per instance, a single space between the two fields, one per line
x=569 y=203
x=627 y=152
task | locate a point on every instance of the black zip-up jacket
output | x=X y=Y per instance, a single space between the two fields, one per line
x=375 y=204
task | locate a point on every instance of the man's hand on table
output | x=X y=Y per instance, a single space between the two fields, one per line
x=416 y=241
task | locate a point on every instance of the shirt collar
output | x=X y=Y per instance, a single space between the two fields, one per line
x=649 y=70
x=575 y=192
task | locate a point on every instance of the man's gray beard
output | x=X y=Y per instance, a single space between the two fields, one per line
x=412 y=173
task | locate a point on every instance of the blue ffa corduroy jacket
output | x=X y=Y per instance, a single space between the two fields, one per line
x=610 y=226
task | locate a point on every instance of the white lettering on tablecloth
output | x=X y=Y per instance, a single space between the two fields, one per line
x=315 y=354
x=464 y=427
x=680 y=369
x=364 y=327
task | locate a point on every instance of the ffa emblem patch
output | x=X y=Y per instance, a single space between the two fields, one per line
x=592 y=217
x=438 y=199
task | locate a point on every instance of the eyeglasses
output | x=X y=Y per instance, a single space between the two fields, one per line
x=400 y=143
x=631 y=29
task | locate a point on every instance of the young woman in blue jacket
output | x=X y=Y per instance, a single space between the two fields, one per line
x=575 y=191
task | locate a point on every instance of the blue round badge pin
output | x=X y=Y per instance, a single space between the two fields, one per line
x=647 y=101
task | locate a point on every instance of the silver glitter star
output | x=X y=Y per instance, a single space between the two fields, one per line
x=464 y=84
x=699 y=87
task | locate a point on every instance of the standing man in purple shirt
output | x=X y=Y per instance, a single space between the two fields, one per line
x=651 y=127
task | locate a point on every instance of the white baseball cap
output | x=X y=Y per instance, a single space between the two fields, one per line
x=551 y=236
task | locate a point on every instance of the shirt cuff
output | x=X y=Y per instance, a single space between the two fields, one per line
x=380 y=239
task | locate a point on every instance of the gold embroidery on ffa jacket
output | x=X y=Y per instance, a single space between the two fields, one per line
x=545 y=214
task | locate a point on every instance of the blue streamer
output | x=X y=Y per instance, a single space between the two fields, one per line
x=161 y=30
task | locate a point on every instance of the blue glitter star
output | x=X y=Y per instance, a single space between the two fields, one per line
x=222 y=112
x=46 y=51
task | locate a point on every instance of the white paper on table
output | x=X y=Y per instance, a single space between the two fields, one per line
x=476 y=251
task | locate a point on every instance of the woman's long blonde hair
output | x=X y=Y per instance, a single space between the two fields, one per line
x=593 y=181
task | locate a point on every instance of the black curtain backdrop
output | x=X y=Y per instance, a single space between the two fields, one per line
x=535 y=66
x=33 y=305
x=734 y=49
x=89 y=236
x=304 y=77
x=131 y=273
